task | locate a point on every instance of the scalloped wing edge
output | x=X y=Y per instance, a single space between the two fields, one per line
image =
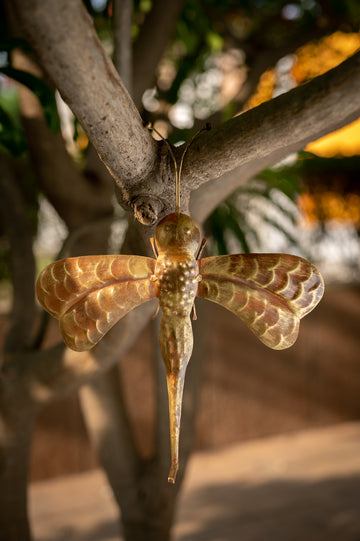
x=270 y=293
x=90 y=294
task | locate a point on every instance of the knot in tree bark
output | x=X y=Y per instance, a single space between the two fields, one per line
x=147 y=209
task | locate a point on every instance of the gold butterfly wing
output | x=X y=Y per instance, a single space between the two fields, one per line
x=268 y=292
x=89 y=294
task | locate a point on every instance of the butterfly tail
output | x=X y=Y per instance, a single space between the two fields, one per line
x=175 y=386
x=176 y=343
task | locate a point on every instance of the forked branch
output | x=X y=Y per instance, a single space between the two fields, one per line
x=63 y=35
x=278 y=127
x=66 y=43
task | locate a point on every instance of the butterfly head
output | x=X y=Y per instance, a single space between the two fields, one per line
x=177 y=232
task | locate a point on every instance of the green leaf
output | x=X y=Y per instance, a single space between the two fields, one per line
x=41 y=90
x=285 y=180
x=215 y=224
x=230 y=216
x=214 y=41
x=239 y=232
x=11 y=136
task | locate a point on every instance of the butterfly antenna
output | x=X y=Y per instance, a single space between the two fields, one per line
x=177 y=180
x=178 y=170
x=206 y=127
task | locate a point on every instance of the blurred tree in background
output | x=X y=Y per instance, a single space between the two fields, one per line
x=252 y=70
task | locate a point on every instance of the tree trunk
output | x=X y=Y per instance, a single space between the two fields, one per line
x=16 y=427
x=135 y=531
x=140 y=487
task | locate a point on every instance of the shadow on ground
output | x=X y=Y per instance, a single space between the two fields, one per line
x=328 y=510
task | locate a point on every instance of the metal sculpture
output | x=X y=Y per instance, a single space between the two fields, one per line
x=270 y=293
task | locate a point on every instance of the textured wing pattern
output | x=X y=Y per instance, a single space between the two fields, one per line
x=269 y=292
x=90 y=294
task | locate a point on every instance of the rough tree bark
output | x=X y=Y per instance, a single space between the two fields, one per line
x=16 y=418
x=68 y=49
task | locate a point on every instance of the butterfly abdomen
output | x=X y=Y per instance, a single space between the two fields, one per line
x=176 y=283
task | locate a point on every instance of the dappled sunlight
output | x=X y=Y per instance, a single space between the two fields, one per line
x=329 y=206
x=343 y=142
x=265 y=89
x=309 y=61
x=317 y=57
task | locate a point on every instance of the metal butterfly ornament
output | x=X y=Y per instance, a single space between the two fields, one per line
x=268 y=292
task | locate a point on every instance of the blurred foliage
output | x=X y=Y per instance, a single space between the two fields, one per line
x=330 y=205
x=316 y=191
x=262 y=31
x=331 y=190
x=209 y=30
x=230 y=221
x=319 y=56
x=40 y=89
x=309 y=61
x=12 y=137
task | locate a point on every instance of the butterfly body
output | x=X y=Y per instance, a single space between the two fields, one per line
x=176 y=278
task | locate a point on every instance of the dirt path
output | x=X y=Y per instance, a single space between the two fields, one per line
x=296 y=487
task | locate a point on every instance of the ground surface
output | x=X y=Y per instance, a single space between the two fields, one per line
x=295 y=487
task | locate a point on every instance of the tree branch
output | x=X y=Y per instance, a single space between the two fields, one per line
x=78 y=199
x=155 y=34
x=58 y=371
x=72 y=54
x=63 y=36
x=122 y=41
x=266 y=134
x=108 y=426
x=17 y=425
x=15 y=222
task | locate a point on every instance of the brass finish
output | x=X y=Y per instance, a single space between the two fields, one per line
x=269 y=292
x=177 y=239
x=89 y=294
